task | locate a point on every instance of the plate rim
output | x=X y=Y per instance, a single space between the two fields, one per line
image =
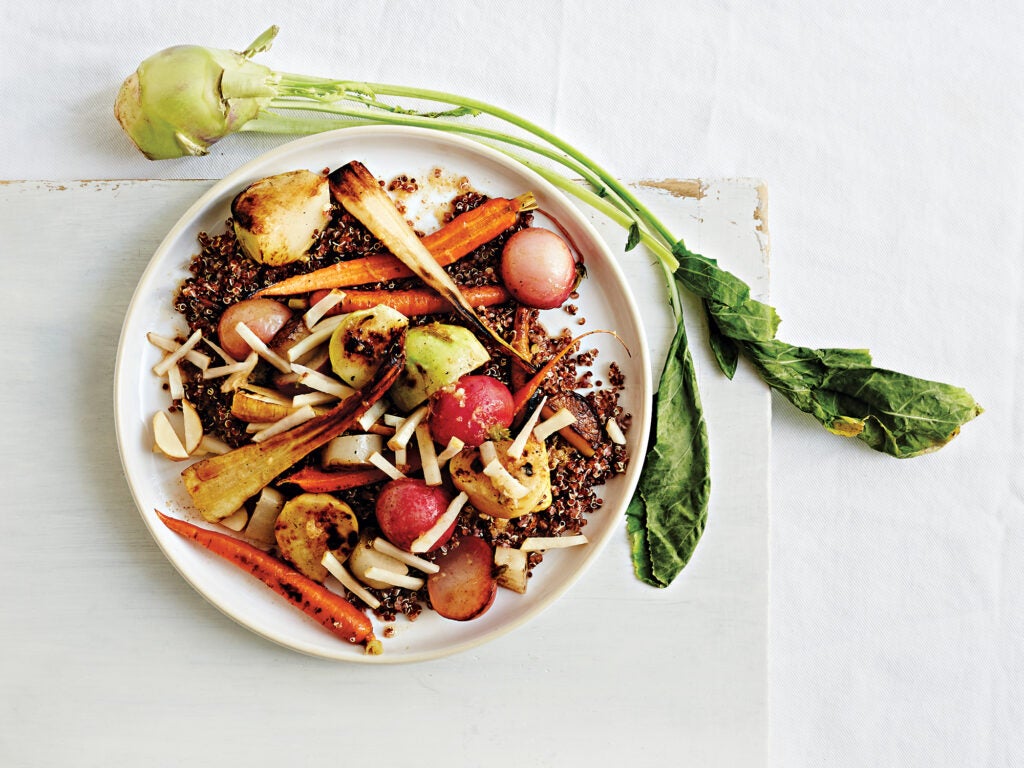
x=347 y=136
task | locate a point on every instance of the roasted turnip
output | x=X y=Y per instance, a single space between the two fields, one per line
x=358 y=342
x=276 y=219
x=530 y=470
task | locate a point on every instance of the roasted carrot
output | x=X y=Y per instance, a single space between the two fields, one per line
x=468 y=231
x=523 y=394
x=331 y=610
x=525 y=389
x=521 y=341
x=315 y=480
x=459 y=237
x=414 y=301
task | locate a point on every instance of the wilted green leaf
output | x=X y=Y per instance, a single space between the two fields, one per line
x=668 y=511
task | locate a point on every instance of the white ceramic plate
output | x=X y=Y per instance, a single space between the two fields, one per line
x=155 y=481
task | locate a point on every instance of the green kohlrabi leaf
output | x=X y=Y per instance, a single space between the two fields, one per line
x=633 y=239
x=750 y=320
x=703 y=277
x=668 y=511
x=890 y=411
x=725 y=349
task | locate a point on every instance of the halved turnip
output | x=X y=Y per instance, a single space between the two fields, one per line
x=436 y=355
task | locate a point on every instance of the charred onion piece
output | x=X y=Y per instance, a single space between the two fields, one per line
x=221 y=484
x=585 y=433
x=354 y=187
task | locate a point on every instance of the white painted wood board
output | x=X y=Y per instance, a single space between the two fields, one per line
x=106 y=646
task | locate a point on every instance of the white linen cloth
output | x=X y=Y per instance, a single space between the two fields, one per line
x=891 y=138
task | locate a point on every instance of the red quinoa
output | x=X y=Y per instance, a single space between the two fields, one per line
x=221 y=275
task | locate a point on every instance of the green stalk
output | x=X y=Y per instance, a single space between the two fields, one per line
x=366 y=93
x=275 y=123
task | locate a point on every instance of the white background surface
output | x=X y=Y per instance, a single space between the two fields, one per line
x=890 y=139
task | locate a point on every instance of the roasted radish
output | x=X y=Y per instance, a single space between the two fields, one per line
x=538 y=269
x=408 y=508
x=264 y=317
x=473 y=410
x=465 y=586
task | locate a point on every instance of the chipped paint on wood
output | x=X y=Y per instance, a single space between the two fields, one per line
x=694 y=188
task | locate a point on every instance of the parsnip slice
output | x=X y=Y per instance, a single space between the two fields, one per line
x=515 y=450
x=365 y=556
x=386 y=466
x=405 y=430
x=385 y=547
x=237 y=521
x=292 y=420
x=428 y=456
x=314 y=314
x=562 y=419
x=455 y=445
x=394 y=579
x=175 y=384
x=162 y=367
x=261 y=348
x=338 y=571
x=426 y=541
x=614 y=431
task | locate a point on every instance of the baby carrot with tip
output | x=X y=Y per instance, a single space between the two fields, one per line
x=331 y=610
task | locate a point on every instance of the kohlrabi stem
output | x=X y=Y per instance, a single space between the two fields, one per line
x=341 y=89
x=265 y=121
